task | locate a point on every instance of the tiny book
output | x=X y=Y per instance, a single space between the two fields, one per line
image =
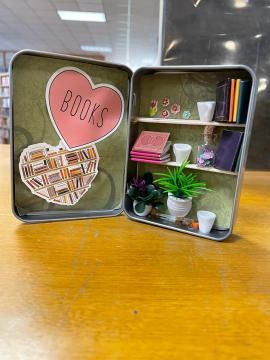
x=237 y=164
x=151 y=142
x=243 y=102
x=236 y=99
x=150 y=156
x=232 y=100
x=151 y=161
x=157 y=156
x=227 y=152
x=223 y=94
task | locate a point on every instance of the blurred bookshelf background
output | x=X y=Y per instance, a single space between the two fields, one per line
x=121 y=31
x=5 y=97
x=146 y=33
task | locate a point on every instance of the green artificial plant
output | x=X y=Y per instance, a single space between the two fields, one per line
x=175 y=182
x=144 y=192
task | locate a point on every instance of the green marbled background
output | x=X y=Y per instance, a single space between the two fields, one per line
x=185 y=89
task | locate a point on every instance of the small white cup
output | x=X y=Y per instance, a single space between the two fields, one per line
x=181 y=152
x=206 y=221
x=206 y=110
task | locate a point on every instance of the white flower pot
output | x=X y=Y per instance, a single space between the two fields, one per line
x=146 y=211
x=179 y=207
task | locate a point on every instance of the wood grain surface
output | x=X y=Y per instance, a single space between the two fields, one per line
x=117 y=289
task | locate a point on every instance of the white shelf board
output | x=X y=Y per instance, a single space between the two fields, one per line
x=185 y=122
x=195 y=167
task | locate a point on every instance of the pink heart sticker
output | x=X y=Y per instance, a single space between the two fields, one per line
x=82 y=113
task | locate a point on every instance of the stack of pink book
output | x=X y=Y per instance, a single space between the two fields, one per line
x=151 y=147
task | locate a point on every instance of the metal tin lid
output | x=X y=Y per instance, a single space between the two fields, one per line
x=69 y=136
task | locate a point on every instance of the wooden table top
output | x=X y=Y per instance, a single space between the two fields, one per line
x=117 y=289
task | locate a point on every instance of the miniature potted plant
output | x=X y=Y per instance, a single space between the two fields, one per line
x=144 y=194
x=181 y=188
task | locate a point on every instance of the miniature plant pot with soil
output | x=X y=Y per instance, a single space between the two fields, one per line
x=144 y=194
x=181 y=189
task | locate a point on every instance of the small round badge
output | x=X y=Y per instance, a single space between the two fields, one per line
x=186 y=114
x=175 y=109
x=165 y=114
x=165 y=101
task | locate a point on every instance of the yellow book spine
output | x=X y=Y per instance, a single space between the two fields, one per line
x=236 y=99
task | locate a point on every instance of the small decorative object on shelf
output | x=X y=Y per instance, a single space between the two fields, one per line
x=186 y=114
x=153 y=107
x=206 y=221
x=144 y=194
x=183 y=221
x=175 y=109
x=206 y=151
x=181 y=152
x=206 y=110
x=165 y=101
x=181 y=188
x=165 y=114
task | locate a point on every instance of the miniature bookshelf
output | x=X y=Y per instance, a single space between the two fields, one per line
x=4 y=108
x=186 y=88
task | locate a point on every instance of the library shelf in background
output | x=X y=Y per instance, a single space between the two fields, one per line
x=4 y=108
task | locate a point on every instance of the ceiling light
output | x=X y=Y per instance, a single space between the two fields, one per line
x=196 y=2
x=240 y=3
x=262 y=84
x=82 y=16
x=258 y=36
x=102 y=49
x=230 y=45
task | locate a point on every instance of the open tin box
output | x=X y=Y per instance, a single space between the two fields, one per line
x=75 y=120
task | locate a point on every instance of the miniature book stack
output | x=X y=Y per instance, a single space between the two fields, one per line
x=151 y=147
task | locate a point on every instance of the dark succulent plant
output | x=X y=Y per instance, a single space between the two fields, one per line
x=180 y=185
x=144 y=192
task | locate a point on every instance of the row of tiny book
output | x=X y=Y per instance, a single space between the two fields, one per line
x=54 y=166
x=71 y=157
x=5 y=103
x=58 y=173
x=62 y=187
x=154 y=147
x=4 y=80
x=232 y=100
